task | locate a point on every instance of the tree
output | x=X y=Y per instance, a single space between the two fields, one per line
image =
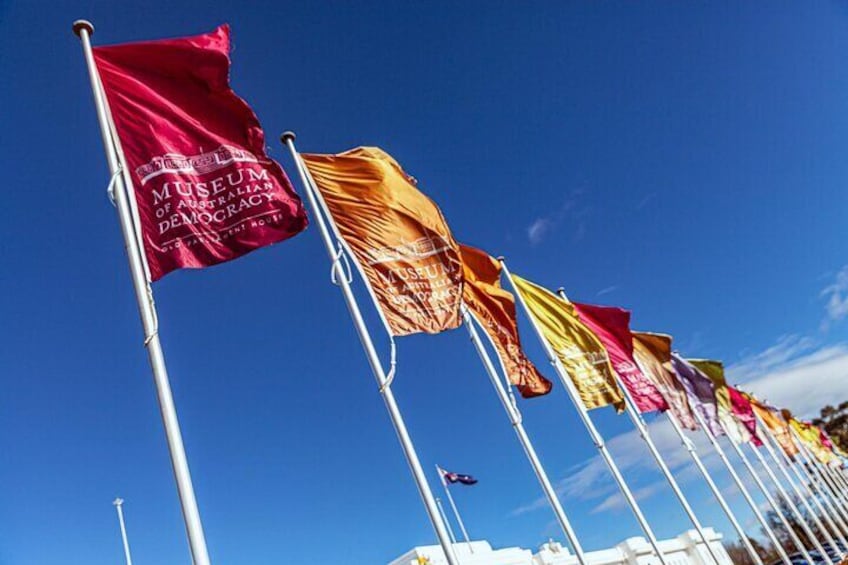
x=835 y=422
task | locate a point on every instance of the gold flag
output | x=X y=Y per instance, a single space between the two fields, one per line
x=653 y=352
x=812 y=439
x=397 y=235
x=580 y=351
x=494 y=308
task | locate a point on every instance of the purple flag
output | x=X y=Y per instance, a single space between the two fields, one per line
x=701 y=393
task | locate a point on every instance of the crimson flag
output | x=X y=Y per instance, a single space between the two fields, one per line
x=612 y=326
x=206 y=190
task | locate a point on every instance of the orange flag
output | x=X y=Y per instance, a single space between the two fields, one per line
x=494 y=309
x=397 y=235
x=653 y=351
x=777 y=426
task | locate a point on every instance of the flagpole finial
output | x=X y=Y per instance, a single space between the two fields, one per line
x=118 y=501
x=561 y=289
x=286 y=136
x=500 y=258
x=80 y=25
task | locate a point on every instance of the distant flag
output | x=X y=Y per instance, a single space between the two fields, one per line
x=397 y=235
x=612 y=326
x=577 y=348
x=744 y=412
x=701 y=392
x=494 y=309
x=736 y=430
x=453 y=478
x=778 y=427
x=653 y=352
x=206 y=190
x=811 y=437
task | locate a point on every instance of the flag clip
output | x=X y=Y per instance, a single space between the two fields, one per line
x=341 y=256
x=110 y=189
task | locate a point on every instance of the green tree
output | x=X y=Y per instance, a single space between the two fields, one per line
x=835 y=422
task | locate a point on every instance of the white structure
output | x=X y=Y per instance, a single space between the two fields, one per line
x=685 y=549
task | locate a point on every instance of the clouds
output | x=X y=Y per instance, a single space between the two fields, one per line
x=836 y=295
x=573 y=211
x=803 y=383
x=796 y=372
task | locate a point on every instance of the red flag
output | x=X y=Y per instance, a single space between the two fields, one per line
x=744 y=412
x=612 y=326
x=206 y=190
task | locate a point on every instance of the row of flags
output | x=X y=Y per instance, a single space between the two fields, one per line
x=195 y=187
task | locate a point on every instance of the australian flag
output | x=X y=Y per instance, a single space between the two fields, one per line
x=458 y=478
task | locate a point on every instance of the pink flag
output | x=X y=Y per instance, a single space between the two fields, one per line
x=612 y=326
x=744 y=412
x=206 y=190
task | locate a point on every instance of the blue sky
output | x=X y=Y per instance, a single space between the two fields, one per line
x=683 y=161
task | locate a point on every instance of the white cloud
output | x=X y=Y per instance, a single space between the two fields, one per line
x=539 y=229
x=804 y=384
x=836 y=294
x=607 y=290
x=795 y=373
x=571 y=210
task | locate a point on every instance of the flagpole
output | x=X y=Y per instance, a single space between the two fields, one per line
x=445 y=518
x=818 y=483
x=642 y=429
x=687 y=443
x=384 y=384
x=118 y=503
x=508 y=403
x=596 y=437
x=795 y=539
x=837 y=486
x=811 y=468
x=147 y=310
x=742 y=489
x=793 y=508
x=456 y=514
x=818 y=496
x=767 y=441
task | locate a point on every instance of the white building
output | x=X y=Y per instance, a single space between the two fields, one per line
x=685 y=549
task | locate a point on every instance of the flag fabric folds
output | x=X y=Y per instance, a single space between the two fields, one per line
x=577 y=348
x=612 y=326
x=744 y=412
x=453 y=478
x=777 y=426
x=494 y=308
x=653 y=352
x=206 y=190
x=811 y=437
x=701 y=393
x=397 y=236
x=735 y=430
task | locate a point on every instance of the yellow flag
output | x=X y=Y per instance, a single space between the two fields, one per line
x=580 y=351
x=811 y=438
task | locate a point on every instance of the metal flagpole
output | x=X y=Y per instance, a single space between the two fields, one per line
x=144 y=297
x=813 y=469
x=642 y=428
x=690 y=447
x=809 y=470
x=118 y=502
x=445 y=518
x=456 y=514
x=384 y=384
x=587 y=421
x=509 y=405
x=837 y=485
x=767 y=441
x=795 y=539
x=793 y=508
x=742 y=489
x=817 y=495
